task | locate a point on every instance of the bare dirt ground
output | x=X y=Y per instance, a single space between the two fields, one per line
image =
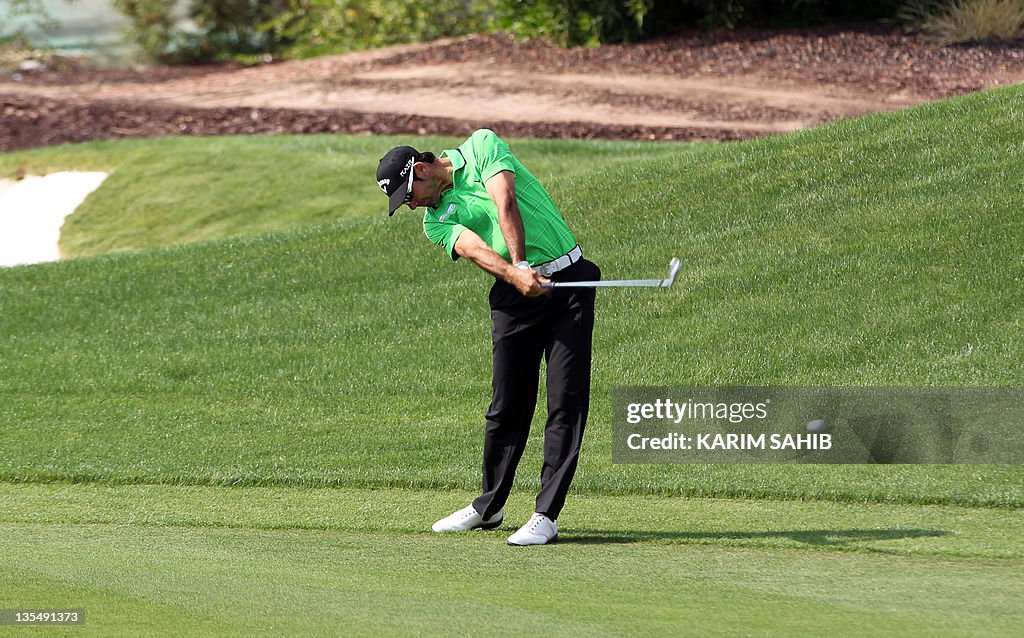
x=691 y=85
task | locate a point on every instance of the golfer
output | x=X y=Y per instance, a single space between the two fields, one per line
x=483 y=205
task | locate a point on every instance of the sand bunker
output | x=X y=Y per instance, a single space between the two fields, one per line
x=33 y=209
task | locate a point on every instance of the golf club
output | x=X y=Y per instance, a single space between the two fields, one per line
x=673 y=269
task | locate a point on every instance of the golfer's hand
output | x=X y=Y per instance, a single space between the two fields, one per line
x=528 y=282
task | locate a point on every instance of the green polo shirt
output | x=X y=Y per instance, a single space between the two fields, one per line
x=467 y=204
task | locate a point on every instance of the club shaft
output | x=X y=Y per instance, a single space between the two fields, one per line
x=673 y=268
x=622 y=283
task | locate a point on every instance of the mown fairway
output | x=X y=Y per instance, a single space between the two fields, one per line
x=252 y=433
x=195 y=560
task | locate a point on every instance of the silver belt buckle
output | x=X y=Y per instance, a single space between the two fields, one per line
x=556 y=265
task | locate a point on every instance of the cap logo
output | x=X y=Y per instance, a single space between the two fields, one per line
x=408 y=165
x=383 y=183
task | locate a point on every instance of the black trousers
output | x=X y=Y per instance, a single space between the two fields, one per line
x=558 y=326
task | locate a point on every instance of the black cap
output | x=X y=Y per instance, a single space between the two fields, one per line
x=394 y=175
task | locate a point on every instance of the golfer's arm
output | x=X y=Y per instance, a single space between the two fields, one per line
x=470 y=246
x=502 y=190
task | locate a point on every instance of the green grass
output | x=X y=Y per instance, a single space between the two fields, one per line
x=271 y=416
x=195 y=561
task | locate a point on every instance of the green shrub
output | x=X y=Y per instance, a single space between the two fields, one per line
x=575 y=22
x=150 y=26
x=234 y=27
x=315 y=27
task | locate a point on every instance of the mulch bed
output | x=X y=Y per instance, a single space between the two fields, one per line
x=30 y=122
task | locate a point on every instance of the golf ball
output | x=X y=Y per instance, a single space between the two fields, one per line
x=817 y=425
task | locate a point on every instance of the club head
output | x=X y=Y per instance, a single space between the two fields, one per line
x=673 y=270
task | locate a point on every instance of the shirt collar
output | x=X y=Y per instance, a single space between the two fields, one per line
x=455 y=155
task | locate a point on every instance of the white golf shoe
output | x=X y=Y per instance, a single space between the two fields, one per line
x=466 y=519
x=539 y=530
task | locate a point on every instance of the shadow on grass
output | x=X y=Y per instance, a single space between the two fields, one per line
x=823 y=537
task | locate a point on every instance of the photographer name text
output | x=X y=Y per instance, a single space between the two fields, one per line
x=719 y=441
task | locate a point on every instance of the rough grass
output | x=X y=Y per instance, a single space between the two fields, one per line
x=881 y=251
